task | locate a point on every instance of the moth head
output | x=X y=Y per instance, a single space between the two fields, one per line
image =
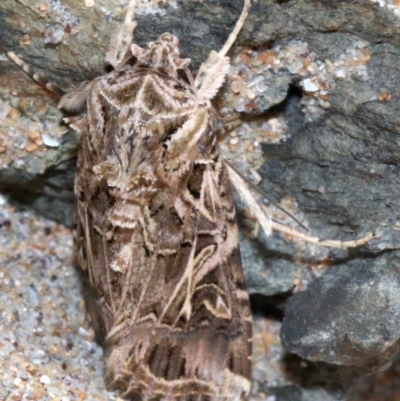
x=163 y=53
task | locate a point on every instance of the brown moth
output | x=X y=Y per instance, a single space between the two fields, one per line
x=156 y=226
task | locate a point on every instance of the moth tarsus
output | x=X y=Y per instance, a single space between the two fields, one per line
x=322 y=242
x=51 y=86
x=157 y=236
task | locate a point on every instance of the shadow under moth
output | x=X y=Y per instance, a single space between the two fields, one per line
x=157 y=237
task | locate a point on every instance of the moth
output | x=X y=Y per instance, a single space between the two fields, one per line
x=157 y=236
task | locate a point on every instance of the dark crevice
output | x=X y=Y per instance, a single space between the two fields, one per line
x=269 y=307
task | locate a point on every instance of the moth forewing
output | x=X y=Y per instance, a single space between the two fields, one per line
x=156 y=226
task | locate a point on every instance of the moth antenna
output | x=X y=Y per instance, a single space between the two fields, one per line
x=320 y=242
x=130 y=12
x=120 y=45
x=212 y=72
x=40 y=79
x=234 y=34
x=264 y=195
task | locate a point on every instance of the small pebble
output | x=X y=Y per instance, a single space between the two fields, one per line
x=31 y=146
x=17 y=381
x=45 y=379
x=309 y=86
x=50 y=142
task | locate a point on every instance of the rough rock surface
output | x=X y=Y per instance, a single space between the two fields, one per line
x=328 y=73
x=319 y=327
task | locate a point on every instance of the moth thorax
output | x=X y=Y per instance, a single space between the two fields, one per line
x=163 y=54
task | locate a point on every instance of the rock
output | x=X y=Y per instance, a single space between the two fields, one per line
x=296 y=393
x=349 y=317
x=267 y=273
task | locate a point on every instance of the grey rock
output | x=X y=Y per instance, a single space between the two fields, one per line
x=286 y=393
x=297 y=393
x=373 y=386
x=349 y=316
x=267 y=272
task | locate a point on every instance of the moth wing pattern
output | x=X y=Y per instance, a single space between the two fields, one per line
x=192 y=320
x=156 y=228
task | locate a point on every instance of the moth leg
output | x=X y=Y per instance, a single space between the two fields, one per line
x=322 y=242
x=254 y=205
x=212 y=72
x=268 y=225
x=230 y=120
x=121 y=41
x=249 y=186
x=73 y=101
x=40 y=79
